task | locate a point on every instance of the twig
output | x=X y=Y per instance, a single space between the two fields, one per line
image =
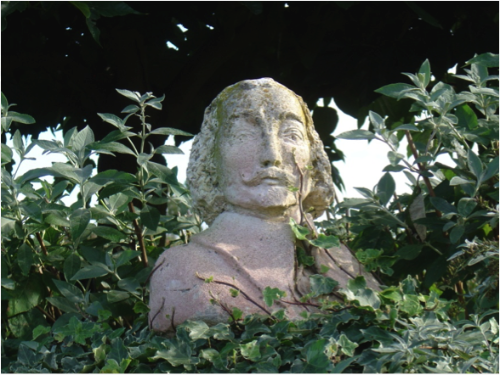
x=42 y=245
x=338 y=265
x=238 y=289
x=172 y=317
x=153 y=271
x=421 y=167
x=159 y=310
x=138 y=233
x=46 y=314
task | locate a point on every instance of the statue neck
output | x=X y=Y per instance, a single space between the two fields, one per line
x=252 y=241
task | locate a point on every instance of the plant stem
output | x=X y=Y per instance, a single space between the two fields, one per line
x=140 y=237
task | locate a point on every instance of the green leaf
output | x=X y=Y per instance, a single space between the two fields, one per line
x=21 y=118
x=167 y=149
x=109 y=233
x=114 y=296
x=129 y=94
x=322 y=285
x=376 y=120
x=300 y=232
x=325 y=242
x=170 y=131
x=475 y=164
x=71 y=266
x=466 y=206
x=118 y=351
x=25 y=258
x=71 y=292
x=6 y=154
x=83 y=7
x=466 y=117
x=39 y=331
x=410 y=305
x=409 y=252
x=113 y=175
x=396 y=90
x=251 y=351
x=456 y=233
x=442 y=205
x=112 y=119
x=164 y=173
x=460 y=181
x=272 y=294
x=394 y=157
x=126 y=256
x=489 y=60
x=176 y=353
x=5 y=103
x=409 y=127
x=26 y=295
x=385 y=188
x=303 y=258
x=491 y=170
x=112 y=147
x=347 y=346
x=315 y=354
x=57 y=220
x=356 y=134
x=150 y=217
x=91 y=271
x=425 y=70
x=78 y=222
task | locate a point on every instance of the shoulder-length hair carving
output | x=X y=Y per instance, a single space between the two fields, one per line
x=202 y=173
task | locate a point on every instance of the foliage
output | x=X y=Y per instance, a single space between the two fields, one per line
x=74 y=279
x=423 y=233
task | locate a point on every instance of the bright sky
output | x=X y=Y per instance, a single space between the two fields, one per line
x=363 y=164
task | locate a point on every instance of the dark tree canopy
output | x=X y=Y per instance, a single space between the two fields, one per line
x=55 y=69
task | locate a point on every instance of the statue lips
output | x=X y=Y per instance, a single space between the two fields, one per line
x=272 y=176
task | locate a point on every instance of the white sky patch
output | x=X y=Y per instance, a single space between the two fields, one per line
x=172 y=45
x=181 y=27
x=45 y=160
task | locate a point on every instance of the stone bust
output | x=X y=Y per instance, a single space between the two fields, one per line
x=255 y=160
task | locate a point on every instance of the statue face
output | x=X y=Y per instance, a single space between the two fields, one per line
x=262 y=140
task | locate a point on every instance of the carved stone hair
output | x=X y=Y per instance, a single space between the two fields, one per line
x=202 y=173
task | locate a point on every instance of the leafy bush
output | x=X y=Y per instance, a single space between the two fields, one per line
x=74 y=279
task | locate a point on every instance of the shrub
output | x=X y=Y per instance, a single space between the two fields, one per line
x=74 y=279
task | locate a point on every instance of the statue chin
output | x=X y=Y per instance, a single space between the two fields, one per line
x=261 y=198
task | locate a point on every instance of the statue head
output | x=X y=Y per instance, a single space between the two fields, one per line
x=257 y=152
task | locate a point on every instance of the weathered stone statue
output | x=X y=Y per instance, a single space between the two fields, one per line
x=255 y=160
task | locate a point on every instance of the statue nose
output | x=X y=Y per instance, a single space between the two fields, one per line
x=271 y=152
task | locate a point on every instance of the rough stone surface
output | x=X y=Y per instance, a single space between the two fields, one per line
x=256 y=161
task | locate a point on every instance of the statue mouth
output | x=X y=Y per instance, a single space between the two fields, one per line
x=272 y=176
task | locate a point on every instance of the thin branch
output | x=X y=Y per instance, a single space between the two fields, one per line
x=138 y=233
x=46 y=314
x=413 y=149
x=153 y=271
x=159 y=310
x=42 y=245
x=238 y=289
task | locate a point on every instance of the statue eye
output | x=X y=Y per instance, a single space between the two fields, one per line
x=293 y=135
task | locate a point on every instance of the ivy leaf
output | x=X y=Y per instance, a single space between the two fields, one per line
x=272 y=294
x=322 y=285
x=251 y=351
x=347 y=346
x=325 y=242
x=300 y=232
